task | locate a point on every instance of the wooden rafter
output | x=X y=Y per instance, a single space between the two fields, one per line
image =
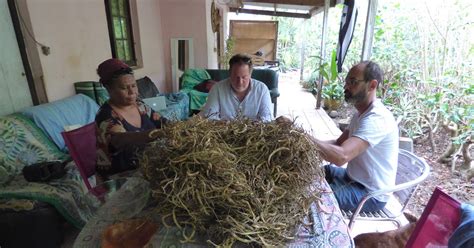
x=270 y=13
x=290 y=2
x=316 y=10
x=313 y=7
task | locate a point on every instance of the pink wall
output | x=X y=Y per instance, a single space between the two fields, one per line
x=151 y=32
x=78 y=42
x=184 y=19
x=77 y=33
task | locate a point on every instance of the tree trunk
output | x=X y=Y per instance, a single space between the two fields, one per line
x=470 y=174
x=454 y=158
x=452 y=148
x=430 y=133
x=466 y=154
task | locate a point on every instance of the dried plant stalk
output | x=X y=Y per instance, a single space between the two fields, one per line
x=235 y=181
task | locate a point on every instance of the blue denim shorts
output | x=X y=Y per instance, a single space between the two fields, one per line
x=349 y=192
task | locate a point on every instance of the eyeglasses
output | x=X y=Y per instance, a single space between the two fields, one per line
x=353 y=82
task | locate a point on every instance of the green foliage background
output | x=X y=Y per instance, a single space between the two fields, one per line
x=426 y=49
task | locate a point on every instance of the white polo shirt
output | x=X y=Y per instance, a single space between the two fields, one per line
x=376 y=168
x=223 y=104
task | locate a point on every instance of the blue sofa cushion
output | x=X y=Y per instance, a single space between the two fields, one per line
x=53 y=117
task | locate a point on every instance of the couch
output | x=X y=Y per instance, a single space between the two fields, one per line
x=193 y=77
x=31 y=136
x=34 y=135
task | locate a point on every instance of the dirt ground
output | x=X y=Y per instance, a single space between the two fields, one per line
x=455 y=184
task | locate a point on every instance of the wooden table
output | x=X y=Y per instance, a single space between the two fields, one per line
x=328 y=229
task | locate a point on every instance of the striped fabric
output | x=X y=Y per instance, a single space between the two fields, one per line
x=346 y=30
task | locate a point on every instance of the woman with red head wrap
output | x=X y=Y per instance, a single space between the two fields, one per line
x=124 y=121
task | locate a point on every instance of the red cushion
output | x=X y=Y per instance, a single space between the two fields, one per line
x=205 y=86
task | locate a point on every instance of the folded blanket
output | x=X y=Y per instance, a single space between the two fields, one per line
x=22 y=143
x=68 y=195
x=177 y=106
x=17 y=204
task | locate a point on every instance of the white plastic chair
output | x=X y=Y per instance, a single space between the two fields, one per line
x=411 y=171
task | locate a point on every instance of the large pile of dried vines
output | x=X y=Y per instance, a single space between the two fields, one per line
x=233 y=181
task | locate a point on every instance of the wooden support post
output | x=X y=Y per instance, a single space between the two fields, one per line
x=302 y=51
x=323 y=51
x=369 y=30
x=302 y=59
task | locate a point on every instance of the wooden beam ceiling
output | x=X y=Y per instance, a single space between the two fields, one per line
x=270 y=13
x=312 y=7
x=290 y=2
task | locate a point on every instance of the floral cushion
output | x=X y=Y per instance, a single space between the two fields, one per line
x=22 y=143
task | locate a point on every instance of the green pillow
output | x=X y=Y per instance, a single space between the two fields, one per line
x=193 y=77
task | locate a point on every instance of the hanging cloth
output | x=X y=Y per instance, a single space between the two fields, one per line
x=346 y=30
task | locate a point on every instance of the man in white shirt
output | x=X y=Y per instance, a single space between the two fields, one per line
x=239 y=95
x=369 y=145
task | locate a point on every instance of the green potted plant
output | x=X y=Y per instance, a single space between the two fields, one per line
x=333 y=94
x=228 y=52
x=333 y=91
